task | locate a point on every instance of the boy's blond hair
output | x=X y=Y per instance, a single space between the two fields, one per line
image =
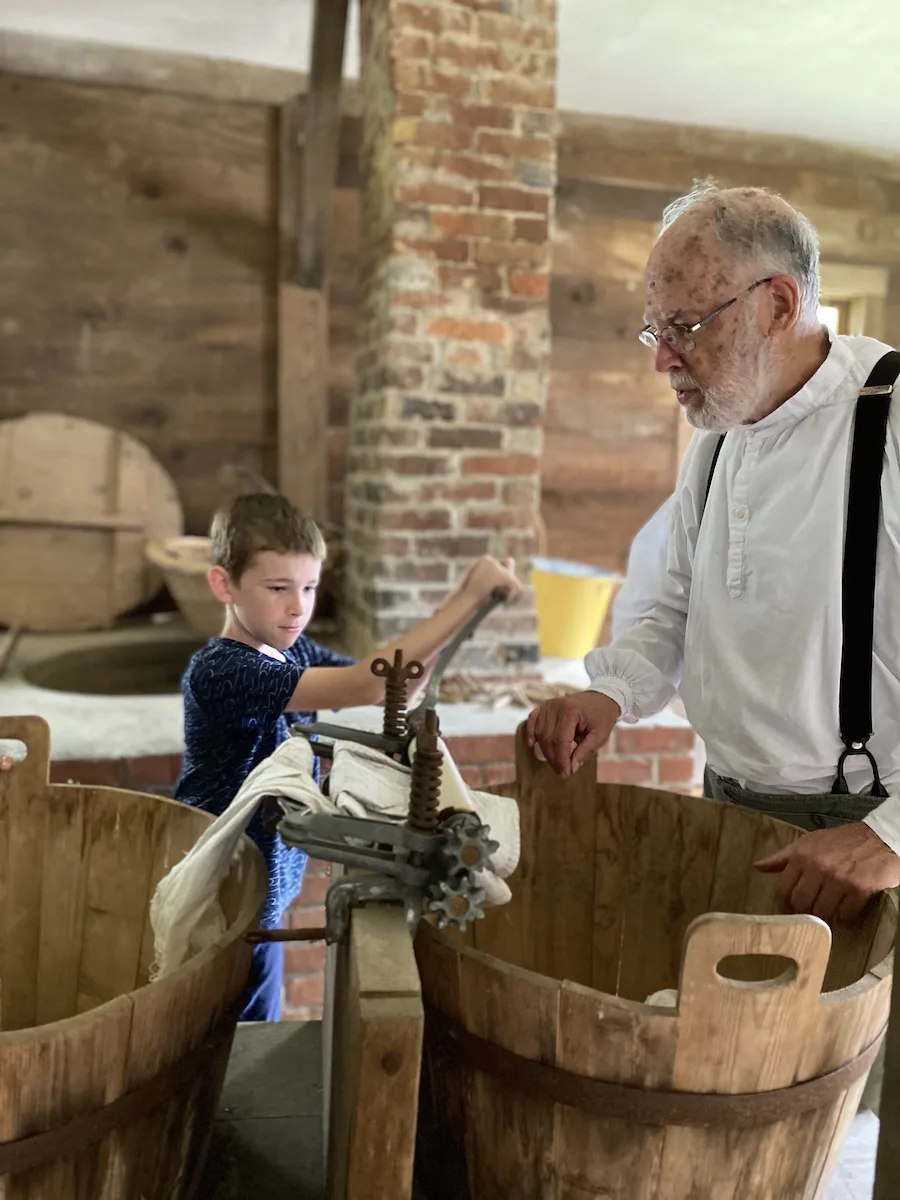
x=262 y=521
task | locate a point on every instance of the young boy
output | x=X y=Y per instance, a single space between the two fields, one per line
x=243 y=688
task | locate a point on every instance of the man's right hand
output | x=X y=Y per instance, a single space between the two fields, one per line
x=570 y=729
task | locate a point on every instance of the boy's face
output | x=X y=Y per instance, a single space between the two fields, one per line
x=275 y=597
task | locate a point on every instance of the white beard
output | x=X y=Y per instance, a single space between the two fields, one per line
x=733 y=404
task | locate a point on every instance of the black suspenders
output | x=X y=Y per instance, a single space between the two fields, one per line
x=858 y=579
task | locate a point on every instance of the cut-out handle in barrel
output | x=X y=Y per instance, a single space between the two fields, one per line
x=34 y=733
x=749 y=1034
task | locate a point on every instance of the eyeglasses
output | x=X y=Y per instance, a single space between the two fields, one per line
x=681 y=337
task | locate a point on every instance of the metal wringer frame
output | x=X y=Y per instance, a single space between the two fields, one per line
x=427 y=863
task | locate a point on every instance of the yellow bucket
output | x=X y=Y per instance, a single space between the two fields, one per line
x=572 y=600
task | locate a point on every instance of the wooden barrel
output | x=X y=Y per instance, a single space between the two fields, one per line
x=547 y=1076
x=108 y=1083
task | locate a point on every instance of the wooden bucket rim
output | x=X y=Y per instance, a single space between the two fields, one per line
x=251 y=903
x=872 y=977
x=166 y=554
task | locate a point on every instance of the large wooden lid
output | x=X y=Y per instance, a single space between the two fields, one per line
x=78 y=501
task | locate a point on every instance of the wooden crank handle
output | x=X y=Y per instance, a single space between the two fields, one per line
x=34 y=732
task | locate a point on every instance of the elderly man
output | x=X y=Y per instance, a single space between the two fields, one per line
x=780 y=633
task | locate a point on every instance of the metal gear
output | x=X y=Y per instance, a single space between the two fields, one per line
x=467 y=846
x=460 y=902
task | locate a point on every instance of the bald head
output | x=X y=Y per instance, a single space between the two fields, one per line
x=746 y=226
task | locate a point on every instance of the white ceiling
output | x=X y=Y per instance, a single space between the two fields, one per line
x=823 y=68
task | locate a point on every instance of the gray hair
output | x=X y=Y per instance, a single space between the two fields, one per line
x=762 y=227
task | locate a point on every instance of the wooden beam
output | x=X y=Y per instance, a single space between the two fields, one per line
x=587 y=140
x=307 y=185
x=321 y=141
x=156 y=70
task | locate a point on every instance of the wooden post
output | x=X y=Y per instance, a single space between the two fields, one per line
x=305 y=225
x=374 y=1026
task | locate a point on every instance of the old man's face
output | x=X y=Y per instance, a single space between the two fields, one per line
x=722 y=379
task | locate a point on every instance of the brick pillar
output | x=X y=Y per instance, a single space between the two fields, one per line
x=446 y=427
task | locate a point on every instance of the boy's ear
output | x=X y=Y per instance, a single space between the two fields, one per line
x=219 y=584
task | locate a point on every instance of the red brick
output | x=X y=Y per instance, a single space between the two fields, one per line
x=411 y=45
x=409 y=518
x=501 y=772
x=409 y=104
x=315 y=889
x=515 y=199
x=153 y=768
x=422 y=572
x=509 y=518
x=508 y=29
x=509 y=145
x=470 y=546
x=476 y=490
x=467 y=166
x=307 y=1012
x=532 y=229
x=456 y=250
x=317 y=866
x=301 y=990
x=473 y=776
x=432 y=194
x=456 y=437
x=492 y=332
x=426 y=17
x=675 y=770
x=529 y=283
x=501 y=464
x=441 y=135
x=305 y=918
x=302 y=957
x=464 y=356
x=653 y=740
x=476 y=116
x=473 y=224
x=625 y=770
x=416 y=298
x=518 y=92
x=104 y=772
x=413 y=464
x=472 y=55
x=487 y=749
x=413 y=76
x=512 y=254
x=459 y=87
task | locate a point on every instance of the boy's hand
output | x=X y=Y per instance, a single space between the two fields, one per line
x=488 y=573
x=7 y=762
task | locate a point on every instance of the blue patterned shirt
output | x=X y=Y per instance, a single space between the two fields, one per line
x=234 y=717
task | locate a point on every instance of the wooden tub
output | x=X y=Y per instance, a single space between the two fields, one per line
x=108 y=1084
x=548 y=1077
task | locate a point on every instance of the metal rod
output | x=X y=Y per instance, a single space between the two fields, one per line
x=257 y=937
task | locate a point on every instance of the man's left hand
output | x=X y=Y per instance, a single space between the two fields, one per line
x=832 y=873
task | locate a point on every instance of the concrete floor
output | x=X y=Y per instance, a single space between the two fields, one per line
x=268 y=1145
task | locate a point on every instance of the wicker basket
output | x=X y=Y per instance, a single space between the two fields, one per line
x=184 y=562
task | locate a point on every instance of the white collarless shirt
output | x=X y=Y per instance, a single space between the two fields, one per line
x=748 y=618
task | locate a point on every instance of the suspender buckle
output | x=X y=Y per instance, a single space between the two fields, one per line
x=840 y=786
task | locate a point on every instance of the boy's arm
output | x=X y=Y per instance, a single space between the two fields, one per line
x=345 y=687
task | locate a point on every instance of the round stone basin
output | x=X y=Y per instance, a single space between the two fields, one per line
x=135 y=668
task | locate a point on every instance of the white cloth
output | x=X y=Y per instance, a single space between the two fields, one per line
x=646 y=572
x=185 y=913
x=749 y=619
x=365 y=783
